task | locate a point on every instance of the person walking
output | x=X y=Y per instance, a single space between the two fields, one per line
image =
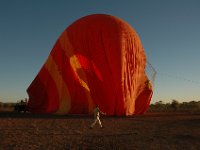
x=97 y=113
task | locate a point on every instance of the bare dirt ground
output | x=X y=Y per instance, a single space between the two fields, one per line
x=162 y=131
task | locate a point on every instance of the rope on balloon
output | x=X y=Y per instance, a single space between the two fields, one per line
x=151 y=72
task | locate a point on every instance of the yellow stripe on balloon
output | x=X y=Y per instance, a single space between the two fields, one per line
x=64 y=96
x=76 y=66
x=74 y=62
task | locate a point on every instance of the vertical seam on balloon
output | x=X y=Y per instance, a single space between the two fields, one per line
x=64 y=105
x=107 y=62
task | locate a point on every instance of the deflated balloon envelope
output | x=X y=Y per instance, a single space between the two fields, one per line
x=97 y=60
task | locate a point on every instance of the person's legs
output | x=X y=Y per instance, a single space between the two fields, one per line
x=92 y=125
x=99 y=122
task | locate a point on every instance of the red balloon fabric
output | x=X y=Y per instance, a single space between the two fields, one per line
x=97 y=60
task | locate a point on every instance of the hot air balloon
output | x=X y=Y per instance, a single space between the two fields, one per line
x=97 y=60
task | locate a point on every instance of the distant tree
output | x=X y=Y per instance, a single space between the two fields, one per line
x=1 y=104
x=168 y=106
x=159 y=103
x=159 y=106
x=198 y=105
x=175 y=105
x=194 y=106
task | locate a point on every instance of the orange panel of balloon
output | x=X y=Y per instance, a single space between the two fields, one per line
x=97 y=60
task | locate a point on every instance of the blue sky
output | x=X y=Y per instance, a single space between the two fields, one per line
x=168 y=29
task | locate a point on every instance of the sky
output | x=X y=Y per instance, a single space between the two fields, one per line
x=169 y=31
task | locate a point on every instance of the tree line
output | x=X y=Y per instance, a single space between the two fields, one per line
x=160 y=106
x=174 y=105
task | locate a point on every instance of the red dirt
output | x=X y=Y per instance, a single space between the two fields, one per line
x=151 y=131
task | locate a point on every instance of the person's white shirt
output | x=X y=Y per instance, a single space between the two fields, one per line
x=96 y=112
